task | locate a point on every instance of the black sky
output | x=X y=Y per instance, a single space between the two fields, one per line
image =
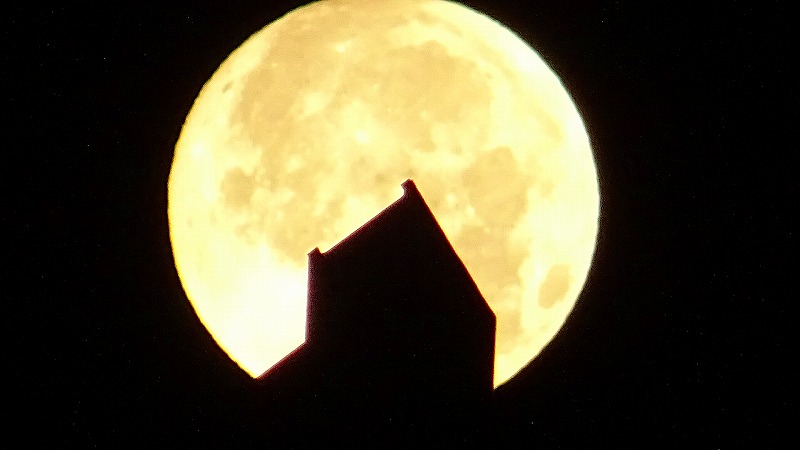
x=684 y=331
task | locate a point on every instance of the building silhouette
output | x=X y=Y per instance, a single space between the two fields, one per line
x=399 y=341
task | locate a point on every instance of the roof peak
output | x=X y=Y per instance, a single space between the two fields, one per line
x=410 y=193
x=409 y=187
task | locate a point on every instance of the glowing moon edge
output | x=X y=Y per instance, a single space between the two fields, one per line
x=517 y=124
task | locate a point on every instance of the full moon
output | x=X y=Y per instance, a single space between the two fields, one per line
x=307 y=130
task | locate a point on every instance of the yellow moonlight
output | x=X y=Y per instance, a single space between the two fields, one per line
x=308 y=129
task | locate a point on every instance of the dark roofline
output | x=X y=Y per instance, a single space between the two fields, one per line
x=410 y=193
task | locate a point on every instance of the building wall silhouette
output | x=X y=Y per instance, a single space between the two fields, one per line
x=399 y=340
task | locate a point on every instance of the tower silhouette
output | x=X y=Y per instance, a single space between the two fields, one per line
x=399 y=340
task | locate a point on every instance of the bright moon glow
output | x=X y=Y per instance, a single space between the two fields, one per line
x=307 y=130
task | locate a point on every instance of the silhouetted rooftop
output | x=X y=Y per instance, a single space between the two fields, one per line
x=397 y=331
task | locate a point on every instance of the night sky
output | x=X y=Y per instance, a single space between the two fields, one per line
x=682 y=336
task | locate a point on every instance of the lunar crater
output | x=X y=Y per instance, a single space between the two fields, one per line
x=555 y=285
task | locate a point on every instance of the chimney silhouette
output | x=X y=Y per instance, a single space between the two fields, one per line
x=399 y=340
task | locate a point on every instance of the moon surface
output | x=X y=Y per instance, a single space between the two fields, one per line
x=307 y=130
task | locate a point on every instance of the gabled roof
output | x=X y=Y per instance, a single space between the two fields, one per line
x=399 y=261
x=399 y=340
